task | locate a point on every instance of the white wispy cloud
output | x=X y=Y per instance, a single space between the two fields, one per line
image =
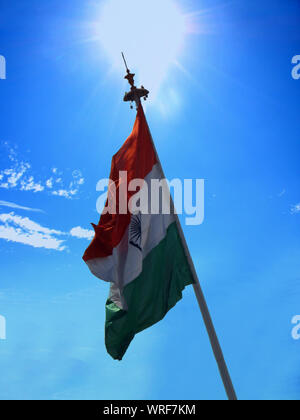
x=281 y=194
x=22 y=230
x=17 y=206
x=73 y=187
x=30 y=185
x=295 y=209
x=15 y=228
x=79 y=232
x=65 y=193
x=19 y=175
x=26 y=223
x=10 y=177
x=49 y=183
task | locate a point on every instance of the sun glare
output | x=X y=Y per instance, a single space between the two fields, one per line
x=150 y=32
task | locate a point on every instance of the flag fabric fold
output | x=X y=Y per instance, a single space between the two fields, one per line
x=141 y=255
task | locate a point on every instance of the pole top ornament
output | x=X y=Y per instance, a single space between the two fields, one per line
x=135 y=93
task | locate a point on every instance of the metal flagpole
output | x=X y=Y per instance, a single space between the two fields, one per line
x=134 y=96
x=217 y=350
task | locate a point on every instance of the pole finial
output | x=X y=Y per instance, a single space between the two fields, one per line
x=127 y=69
x=135 y=93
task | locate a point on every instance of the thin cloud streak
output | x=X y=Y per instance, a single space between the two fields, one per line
x=22 y=230
x=15 y=228
x=18 y=207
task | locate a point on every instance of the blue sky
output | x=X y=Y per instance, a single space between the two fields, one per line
x=225 y=110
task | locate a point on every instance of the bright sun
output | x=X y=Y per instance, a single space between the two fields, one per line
x=150 y=32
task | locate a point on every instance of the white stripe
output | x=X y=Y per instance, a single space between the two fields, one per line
x=126 y=262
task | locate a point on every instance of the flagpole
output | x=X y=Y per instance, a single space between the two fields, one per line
x=214 y=341
x=134 y=96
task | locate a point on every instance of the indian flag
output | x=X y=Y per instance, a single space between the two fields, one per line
x=141 y=255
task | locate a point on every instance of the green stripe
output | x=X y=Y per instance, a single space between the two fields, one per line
x=150 y=296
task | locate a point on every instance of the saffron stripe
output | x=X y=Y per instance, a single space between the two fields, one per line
x=137 y=157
